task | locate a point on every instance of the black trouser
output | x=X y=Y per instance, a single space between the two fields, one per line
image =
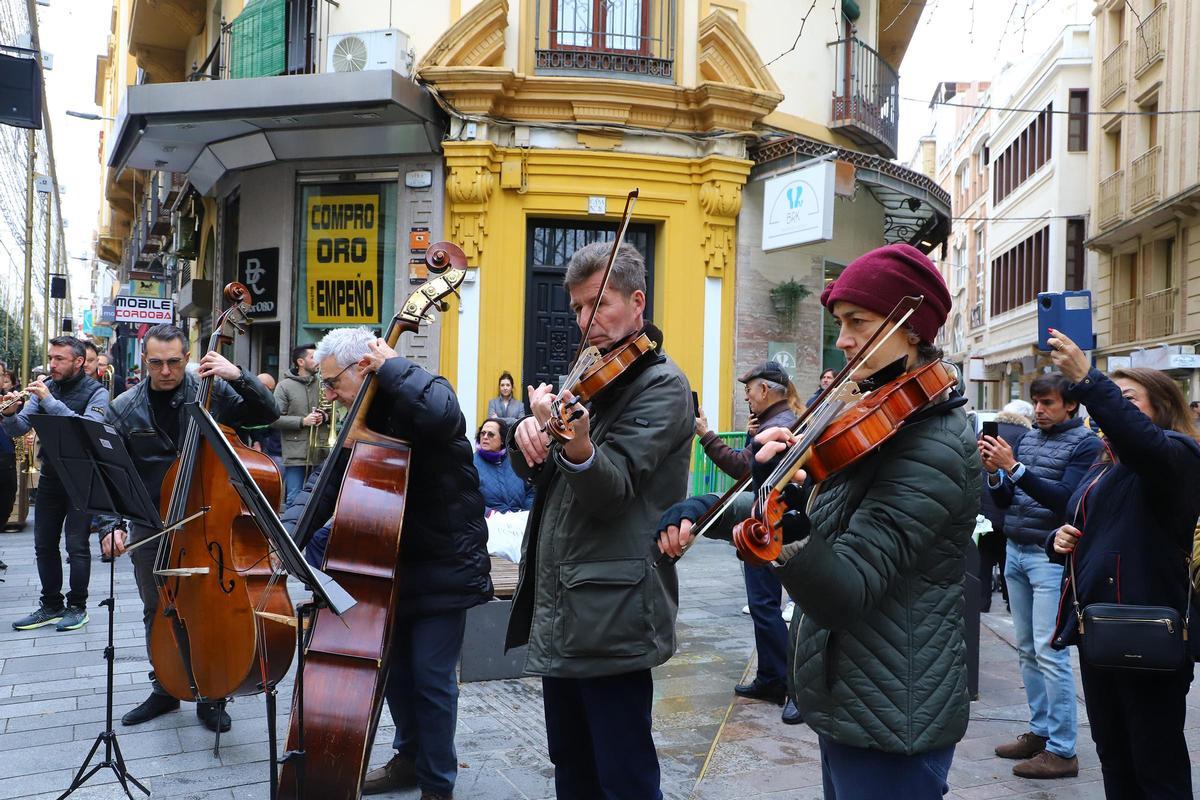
x=52 y=509
x=598 y=732
x=1137 y=725
x=143 y=575
x=8 y=486
x=992 y=549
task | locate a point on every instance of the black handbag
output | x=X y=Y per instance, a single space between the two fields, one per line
x=1143 y=638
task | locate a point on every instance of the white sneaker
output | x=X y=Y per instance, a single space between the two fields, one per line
x=787 y=611
x=745 y=609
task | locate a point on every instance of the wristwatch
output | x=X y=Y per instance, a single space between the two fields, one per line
x=1017 y=472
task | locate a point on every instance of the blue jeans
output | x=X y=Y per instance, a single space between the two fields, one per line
x=855 y=773
x=293 y=482
x=763 y=594
x=1033 y=593
x=422 y=695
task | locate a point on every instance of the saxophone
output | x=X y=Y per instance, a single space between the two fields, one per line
x=315 y=443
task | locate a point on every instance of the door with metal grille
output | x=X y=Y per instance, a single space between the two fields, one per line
x=551 y=335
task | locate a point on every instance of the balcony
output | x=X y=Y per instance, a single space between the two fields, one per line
x=1150 y=40
x=623 y=39
x=866 y=98
x=1124 y=321
x=1158 y=313
x=1146 y=179
x=1113 y=72
x=1110 y=199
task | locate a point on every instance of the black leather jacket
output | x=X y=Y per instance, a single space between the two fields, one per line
x=244 y=401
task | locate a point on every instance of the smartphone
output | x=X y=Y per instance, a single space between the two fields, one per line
x=695 y=404
x=1069 y=312
x=991 y=428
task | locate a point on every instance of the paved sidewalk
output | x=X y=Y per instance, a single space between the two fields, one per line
x=52 y=708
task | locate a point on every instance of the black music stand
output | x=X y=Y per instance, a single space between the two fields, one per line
x=325 y=590
x=90 y=459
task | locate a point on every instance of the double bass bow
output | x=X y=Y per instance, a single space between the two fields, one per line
x=345 y=657
x=209 y=638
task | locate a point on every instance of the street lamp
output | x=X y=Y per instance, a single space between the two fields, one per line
x=88 y=115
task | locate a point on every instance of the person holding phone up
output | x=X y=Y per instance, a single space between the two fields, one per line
x=1033 y=485
x=1129 y=532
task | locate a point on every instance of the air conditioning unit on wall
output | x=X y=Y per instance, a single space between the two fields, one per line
x=355 y=52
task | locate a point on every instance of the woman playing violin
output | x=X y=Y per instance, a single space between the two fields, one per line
x=876 y=559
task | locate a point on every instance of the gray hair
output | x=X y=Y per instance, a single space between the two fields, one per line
x=773 y=387
x=346 y=345
x=1022 y=407
x=628 y=271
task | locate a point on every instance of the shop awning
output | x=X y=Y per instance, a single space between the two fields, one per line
x=1003 y=354
x=208 y=128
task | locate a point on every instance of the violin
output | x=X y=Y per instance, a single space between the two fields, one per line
x=214 y=634
x=862 y=423
x=593 y=371
x=840 y=393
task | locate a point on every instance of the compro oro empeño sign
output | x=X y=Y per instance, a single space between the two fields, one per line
x=342 y=259
x=798 y=207
x=138 y=310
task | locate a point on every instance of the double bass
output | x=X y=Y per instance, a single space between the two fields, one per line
x=215 y=574
x=345 y=657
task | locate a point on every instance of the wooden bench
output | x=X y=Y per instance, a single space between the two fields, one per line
x=504 y=578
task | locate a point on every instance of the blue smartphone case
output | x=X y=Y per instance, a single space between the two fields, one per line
x=1069 y=312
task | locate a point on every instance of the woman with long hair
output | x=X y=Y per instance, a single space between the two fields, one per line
x=504 y=406
x=1128 y=541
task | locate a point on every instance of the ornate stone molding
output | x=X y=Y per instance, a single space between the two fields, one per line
x=499 y=92
x=720 y=196
x=475 y=40
x=161 y=64
x=469 y=185
x=727 y=56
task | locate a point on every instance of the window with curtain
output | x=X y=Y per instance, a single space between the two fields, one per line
x=612 y=25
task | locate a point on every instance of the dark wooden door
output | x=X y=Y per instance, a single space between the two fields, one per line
x=551 y=335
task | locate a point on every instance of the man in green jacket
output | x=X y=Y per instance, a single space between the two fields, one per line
x=298 y=396
x=594 y=612
x=875 y=560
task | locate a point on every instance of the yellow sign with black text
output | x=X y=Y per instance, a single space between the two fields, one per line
x=342 y=261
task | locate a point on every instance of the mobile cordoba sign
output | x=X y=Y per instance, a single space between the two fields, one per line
x=138 y=310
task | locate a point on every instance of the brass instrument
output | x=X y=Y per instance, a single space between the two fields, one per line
x=315 y=445
x=23 y=447
x=107 y=376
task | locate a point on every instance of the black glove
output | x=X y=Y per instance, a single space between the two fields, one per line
x=795 y=523
x=693 y=508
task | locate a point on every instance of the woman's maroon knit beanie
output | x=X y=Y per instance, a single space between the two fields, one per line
x=881 y=278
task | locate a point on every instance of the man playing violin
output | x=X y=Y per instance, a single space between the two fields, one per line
x=594 y=612
x=444 y=564
x=875 y=561
x=151 y=420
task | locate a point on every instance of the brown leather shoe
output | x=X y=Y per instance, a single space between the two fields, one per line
x=1047 y=765
x=398 y=773
x=1027 y=745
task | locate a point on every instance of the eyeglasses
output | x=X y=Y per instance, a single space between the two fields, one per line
x=157 y=363
x=331 y=383
x=487 y=434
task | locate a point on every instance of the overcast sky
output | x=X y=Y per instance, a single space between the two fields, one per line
x=956 y=40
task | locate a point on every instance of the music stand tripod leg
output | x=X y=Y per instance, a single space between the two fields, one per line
x=108 y=736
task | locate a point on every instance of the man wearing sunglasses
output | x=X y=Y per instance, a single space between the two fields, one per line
x=151 y=419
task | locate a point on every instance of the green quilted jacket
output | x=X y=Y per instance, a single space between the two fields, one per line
x=878 y=656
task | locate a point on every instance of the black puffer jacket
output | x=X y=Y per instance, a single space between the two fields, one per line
x=237 y=403
x=443 y=550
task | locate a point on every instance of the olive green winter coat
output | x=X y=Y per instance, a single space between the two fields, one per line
x=589 y=601
x=878 y=638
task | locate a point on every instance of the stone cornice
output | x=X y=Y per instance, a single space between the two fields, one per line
x=475 y=40
x=501 y=93
x=727 y=56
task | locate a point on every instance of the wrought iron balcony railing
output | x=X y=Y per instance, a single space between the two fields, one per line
x=1146 y=179
x=1113 y=73
x=866 y=98
x=629 y=39
x=1158 y=313
x=1124 y=321
x=1150 y=39
x=1110 y=199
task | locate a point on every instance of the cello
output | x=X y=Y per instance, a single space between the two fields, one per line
x=209 y=639
x=332 y=726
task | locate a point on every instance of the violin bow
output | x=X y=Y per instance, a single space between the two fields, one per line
x=626 y=215
x=892 y=323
